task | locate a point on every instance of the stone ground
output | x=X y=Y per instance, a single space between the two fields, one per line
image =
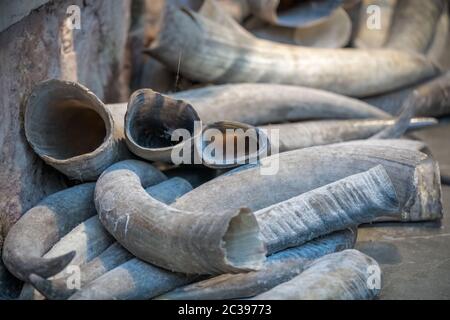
x=415 y=257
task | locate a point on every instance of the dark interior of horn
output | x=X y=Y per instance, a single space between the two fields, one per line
x=62 y=122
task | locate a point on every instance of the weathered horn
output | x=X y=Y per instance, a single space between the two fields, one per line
x=375 y=20
x=194 y=241
x=432 y=98
x=280 y=177
x=440 y=46
x=42 y=226
x=138 y=280
x=333 y=31
x=305 y=134
x=97 y=251
x=278 y=268
x=225 y=55
x=98 y=263
x=343 y=275
x=72 y=130
x=414 y=24
x=292 y=13
x=348 y=202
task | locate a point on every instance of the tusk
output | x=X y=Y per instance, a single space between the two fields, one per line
x=305 y=134
x=97 y=252
x=184 y=241
x=225 y=55
x=414 y=175
x=72 y=130
x=278 y=268
x=343 y=275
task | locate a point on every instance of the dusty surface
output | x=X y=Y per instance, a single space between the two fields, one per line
x=415 y=257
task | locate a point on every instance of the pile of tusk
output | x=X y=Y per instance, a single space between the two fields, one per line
x=253 y=185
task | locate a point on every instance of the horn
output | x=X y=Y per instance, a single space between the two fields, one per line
x=305 y=134
x=279 y=177
x=226 y=55
x=44 y=225
x=348 y=202
x=72 y=130
x=194 y=242
x=97 y=252
x=341 y=275
x=414 y=24
x=258 y=104
x=278 y=268
x=431 y=99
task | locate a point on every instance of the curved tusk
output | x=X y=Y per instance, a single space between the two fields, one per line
x=226 y=55
x=306 y=134
x=278 y=268
x=348 y=202
x=72 y=130
x=431 y=98
x=42 y=226
x=280 y=177
x=183 y=241
x=97 y=252
x=414 y=24
x=375 y=21
x=343 y=275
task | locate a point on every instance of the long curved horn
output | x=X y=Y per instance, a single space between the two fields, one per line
x=368 y=34
x=414 y=24
x=280 y=177
x=278 y=268
x=42 y=226
x=152 y=118
x=228 y=56
x=184 y=241
x=343 y=275
x=72 y=130
x=305 y=134
x=138 y=280
x=91 y=240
